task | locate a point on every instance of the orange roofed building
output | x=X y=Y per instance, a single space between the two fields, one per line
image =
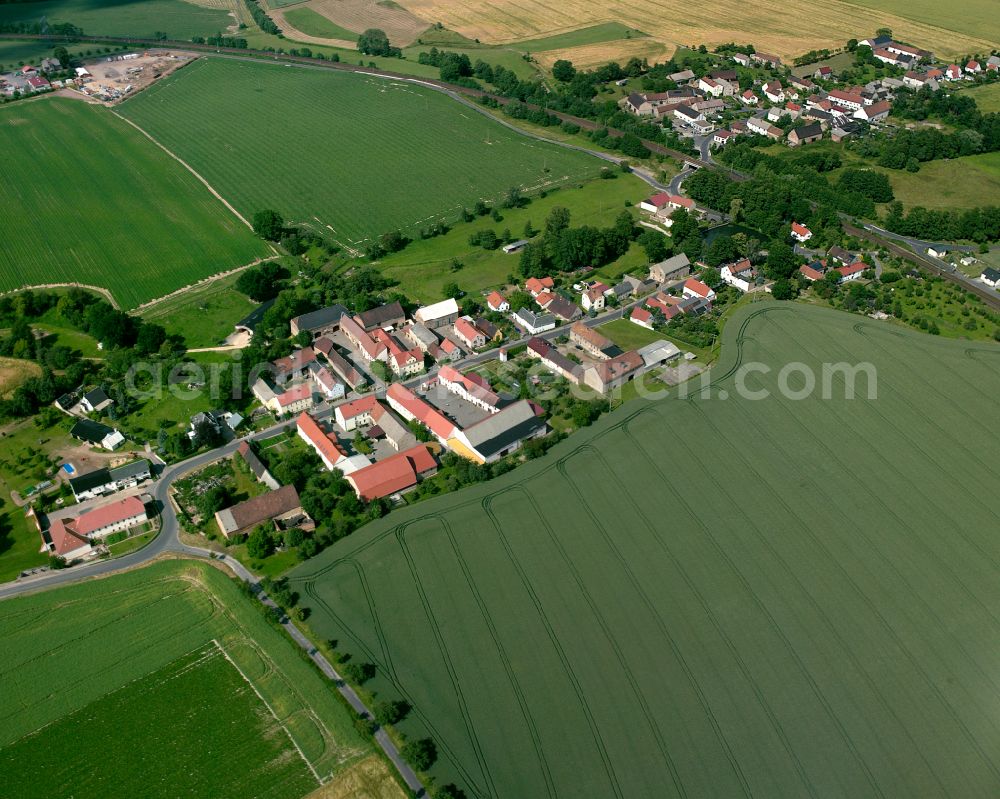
x=396 y=473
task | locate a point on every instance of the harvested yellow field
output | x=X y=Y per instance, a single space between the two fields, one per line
x=368 y=779
x=785 y=27
x=400 y=25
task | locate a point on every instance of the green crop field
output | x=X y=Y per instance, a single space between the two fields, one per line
x=88 y=199
x=174 y=682
x=594 y=34
x=313 y=24
x=722 y=596
x=349 y=155
x=138 y=18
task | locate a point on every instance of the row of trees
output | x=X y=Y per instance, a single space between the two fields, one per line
x=976 y=224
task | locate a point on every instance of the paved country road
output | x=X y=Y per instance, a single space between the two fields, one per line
x=168 y=542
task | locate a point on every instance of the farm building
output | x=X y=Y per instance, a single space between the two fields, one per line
x=393 y=475
x=500 y=434
x=281 y=507
x=440 y=314
x=318 y=323
x=97 y=434
x=555 y=361
x=676 y=267
x=533 y=323
x=385 y=317
x=107 y=481
x=71 y=538
x=613 y=373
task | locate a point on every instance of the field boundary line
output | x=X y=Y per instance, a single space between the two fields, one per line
x=188 y=167
x=270 y=710
x=205 y=281
x=106 y=293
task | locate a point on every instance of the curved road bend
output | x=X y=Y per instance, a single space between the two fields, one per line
x=168 y=541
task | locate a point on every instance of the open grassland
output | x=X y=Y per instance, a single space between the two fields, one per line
x=314 y=24
x=605 y=32
x=138 y=18
x=88 y=199
x=785 y=27
x=425 y=267
x=401 y=26
x=14 y=55
x=349 y=155
x=966 y=182
x=170 y=669
x=14 y=371
x=205 y=314
x=711 y=596
x=987 y=97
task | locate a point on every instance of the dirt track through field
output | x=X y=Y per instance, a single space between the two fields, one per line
x=189 y=168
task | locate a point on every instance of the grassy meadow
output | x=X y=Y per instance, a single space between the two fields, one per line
x=348 y=155
x=425 y=266
x=205 y=315
x=314 y=24
x=968 y=182
x=987 y=97
x=138 y=18
x=88 y=199
x=173 y=660
x=624 y=618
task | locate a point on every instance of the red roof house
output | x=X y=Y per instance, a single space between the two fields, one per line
x=396 y=473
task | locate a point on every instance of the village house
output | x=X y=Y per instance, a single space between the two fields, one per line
x=721 y=137
x=593 y=299
x=674 y=267
x=850 y=100
x=497 y=303
x=655 y=203
x=413 y=408
x=804 y=134
x=400 y=360
x=95 y=401
x=593 y=342
x=534 y=323
x=338 y=363
x=103 y=481
x=356 y=413
x=741 y=274
x=555 y=361
x=256 y=466
x=710 y=87
x=695 y=288
x=852 y=271
x=766 y=59
x=325 y=383
x=281 y=508
x=470 y=335
x=801 y=233
x=419 y=336
x=537 y=285
x=873 y=113
x=642 y=317
x=294 y=366
x=323 y=444
x=366 y=345
x=774 y=92
x=296 y=399
x=563 y=309
x=72 y=538
x=990 y=276
x=812 y=272
x=749 y=98
x=97 y=434
x=470 y=387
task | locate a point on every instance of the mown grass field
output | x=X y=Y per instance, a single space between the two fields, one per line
x=969 y=182
x=205 y=315
x=716 y=596
x=314 y=24
x=348 y=155
x=987 y=97
x=785 y=27
x=170 y=669
x=14 y=55
x=139 y=18
x=88 y=199
x=425 y=267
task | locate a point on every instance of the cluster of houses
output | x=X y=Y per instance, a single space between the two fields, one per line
x=30 y=79
x=839 y=262
x=814 y=110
